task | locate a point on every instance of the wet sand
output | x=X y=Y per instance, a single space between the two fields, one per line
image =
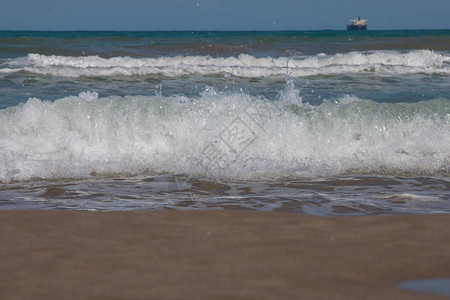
x=217 y=255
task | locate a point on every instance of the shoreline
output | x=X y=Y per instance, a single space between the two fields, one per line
x=218 y=255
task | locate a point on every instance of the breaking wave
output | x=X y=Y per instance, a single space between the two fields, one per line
x=222 y=134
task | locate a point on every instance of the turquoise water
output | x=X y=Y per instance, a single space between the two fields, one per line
x=216 y=43
x=319 y=122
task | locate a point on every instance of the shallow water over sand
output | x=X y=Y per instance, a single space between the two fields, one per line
x=343 y=195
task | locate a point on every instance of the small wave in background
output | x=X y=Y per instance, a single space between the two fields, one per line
x=389 y=62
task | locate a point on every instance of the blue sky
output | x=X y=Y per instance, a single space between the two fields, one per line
x=220 y=14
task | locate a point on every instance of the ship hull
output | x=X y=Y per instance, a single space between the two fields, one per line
x=356 y=27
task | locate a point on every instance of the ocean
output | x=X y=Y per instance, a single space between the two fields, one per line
x=313 y=122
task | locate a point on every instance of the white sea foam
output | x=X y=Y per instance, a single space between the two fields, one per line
x=391 y=62
x=222 y=134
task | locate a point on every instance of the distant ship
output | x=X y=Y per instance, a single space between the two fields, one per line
x=357 y=24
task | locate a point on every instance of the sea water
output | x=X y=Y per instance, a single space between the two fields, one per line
x=319 y=122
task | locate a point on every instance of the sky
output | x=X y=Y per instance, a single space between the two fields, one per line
x=221 y=14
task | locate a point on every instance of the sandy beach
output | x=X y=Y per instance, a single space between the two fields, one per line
x=217 y=255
